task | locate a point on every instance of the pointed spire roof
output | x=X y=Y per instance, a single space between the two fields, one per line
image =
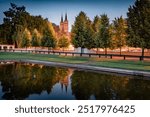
x=61 y=18
x=66 y=19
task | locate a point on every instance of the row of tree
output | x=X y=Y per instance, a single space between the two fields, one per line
x=99 y=33
x=133 y=31
x=24 y=30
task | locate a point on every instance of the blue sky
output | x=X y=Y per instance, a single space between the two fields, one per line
x=52 y=9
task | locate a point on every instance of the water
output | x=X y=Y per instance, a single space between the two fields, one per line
x=38 y=82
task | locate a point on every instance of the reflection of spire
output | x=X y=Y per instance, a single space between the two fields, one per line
x=61 y=18
x=66 y=17
x=65 y=81
x=66 y=87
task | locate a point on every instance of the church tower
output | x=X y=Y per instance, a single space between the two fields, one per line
x=61 y=24
x=64 y=24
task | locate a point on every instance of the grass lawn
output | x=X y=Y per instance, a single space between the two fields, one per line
x=102 y=62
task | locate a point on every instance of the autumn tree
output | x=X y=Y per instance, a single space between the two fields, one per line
x=103 y=34
x=119 y=33
x=16 y=20
x=26 y=39
x=18 y=36
x=49 y=39
x=138 y=22
x=13 y=20
x=63 y=42
x=35 y=41
x=96 y=26
x=89 y=35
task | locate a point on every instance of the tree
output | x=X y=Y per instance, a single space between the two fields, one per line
x=3 y=39
x=89 y=35
x=18 y=36
x=79 y=31
x=138 y=22
x=35 y=39
x=119 y=32
x=96 y=23
x=49 y=39
x=16 y=20
x=63 y=42
x=26 y=39
x=82 y=32
x=13 y=19
x=96 y=26
x=103 y=34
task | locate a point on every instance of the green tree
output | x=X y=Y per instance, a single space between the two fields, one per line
x=35 y=39
x=14 y=18
x=119 y=32
x=18 y=36
x=138 y=22
x=63 y=42
x=96 y=23
x=26 y=39
x=103 y=35
x=89 y=40
x=79 y=31
x=82 y=32
x=49 y=39
x=96 y=26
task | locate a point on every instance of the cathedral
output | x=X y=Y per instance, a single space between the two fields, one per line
x=64 y=24
x=63 y=28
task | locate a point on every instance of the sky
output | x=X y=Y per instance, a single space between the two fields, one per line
x=53 y=9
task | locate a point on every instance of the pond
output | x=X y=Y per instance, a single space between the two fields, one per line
x=19 y=81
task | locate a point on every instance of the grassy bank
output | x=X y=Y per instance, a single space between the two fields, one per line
x=102 y=62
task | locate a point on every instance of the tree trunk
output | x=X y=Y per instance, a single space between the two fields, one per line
x=82 y=50
x=120 y=50
x=106 y=52
x=142 y=56
x=97 y=50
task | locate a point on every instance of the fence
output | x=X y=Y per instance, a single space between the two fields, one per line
x=111 y=56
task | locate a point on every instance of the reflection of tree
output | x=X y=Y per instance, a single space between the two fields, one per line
x=106 y=86
x=139 y=89
x=20 y=80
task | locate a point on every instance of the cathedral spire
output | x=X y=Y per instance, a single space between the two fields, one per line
x=66 y=17
x=61 y=18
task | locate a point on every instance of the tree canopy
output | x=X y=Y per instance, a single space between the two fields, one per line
x=104 y=36
x=119 y=33
x=16 y=20
x=63 y=42
x=138 y=22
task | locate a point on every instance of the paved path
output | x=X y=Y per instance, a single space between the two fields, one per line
x=87 y=67
x=94 y=68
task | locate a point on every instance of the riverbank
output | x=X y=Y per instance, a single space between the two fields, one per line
x=103 y=64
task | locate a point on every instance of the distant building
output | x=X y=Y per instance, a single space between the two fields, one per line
x=5 y=47
x=63 y=28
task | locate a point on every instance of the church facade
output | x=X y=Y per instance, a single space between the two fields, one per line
x=63 y=28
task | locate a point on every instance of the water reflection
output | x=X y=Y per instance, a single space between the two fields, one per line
x=31 y=81
x=105 y=86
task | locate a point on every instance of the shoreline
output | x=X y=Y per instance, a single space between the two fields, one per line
x=85 y=67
